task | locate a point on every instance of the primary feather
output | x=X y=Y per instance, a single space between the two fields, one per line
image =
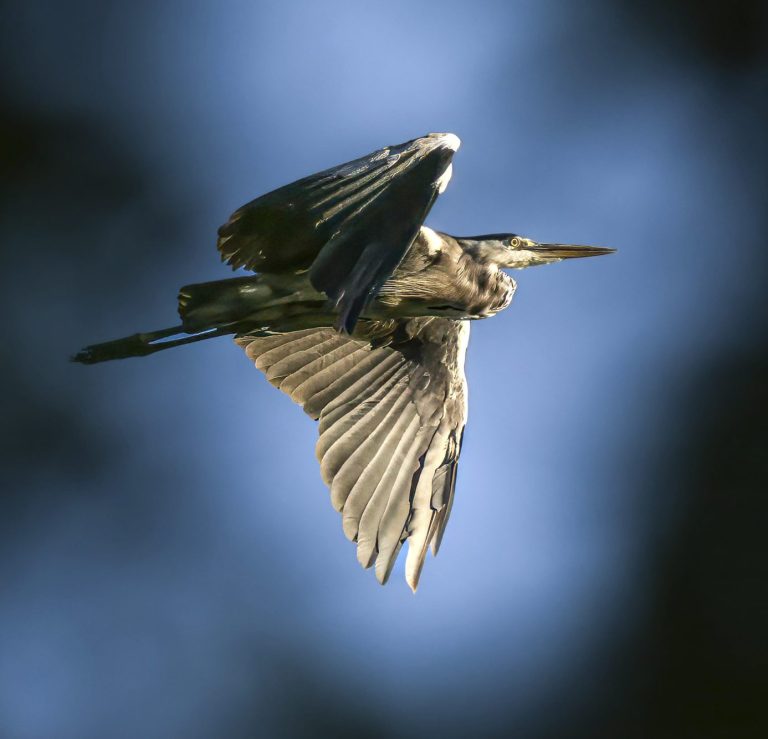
x=386 y=421
x=339 y=223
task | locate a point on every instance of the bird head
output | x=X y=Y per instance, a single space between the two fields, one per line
x=517 y=252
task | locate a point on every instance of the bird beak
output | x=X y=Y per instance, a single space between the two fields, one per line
x=568 y=251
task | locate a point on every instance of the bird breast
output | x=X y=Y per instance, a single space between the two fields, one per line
x=490 y=290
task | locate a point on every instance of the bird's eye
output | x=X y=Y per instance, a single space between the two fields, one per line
x=514 y=243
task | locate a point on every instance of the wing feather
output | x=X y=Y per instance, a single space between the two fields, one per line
x=350 y=225
x=420 y=525
x=358 y=393
x=373 y=359
x=345 y=417
x=297 y=360
x=378 y=474
x=272 y=356
x=336 y=444
x=392 y=523
x=444 y=512
x=391 y=419
x=360 y=445
x=319 y=373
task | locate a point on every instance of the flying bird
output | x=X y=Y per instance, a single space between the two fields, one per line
x=360 y=313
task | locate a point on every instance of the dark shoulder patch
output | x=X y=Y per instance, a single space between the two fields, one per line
x=483 y=278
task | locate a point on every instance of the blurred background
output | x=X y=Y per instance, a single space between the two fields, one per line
x=170 y=564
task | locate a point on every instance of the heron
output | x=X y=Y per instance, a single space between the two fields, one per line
x=361 y=315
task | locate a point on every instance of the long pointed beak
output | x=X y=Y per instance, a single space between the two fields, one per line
x=569 y=251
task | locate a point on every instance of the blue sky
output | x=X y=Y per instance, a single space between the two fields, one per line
x=203 y=551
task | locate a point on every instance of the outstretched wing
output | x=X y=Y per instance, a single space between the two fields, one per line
x=391 y=407
x=349 y=225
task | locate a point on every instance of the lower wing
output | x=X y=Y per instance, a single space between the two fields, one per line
x=391 y=407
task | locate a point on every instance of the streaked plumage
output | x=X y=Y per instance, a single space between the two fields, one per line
x=359 y=313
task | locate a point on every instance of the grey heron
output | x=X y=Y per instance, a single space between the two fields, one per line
x=360 y=313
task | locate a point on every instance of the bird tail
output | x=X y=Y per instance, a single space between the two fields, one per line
x=140 y=345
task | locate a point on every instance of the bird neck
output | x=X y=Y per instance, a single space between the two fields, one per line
x=484 y=250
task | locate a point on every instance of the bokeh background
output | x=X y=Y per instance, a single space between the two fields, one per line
x=170 y=564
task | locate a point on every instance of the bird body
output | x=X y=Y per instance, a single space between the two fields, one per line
x=360 y=314
x=437 y=277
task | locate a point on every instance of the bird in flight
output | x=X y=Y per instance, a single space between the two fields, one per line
x=360 y=313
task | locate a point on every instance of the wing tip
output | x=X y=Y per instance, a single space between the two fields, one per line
x=413 y=581
x=446 y=140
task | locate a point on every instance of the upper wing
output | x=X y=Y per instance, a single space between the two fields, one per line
x=350 y=225
x=392 y=411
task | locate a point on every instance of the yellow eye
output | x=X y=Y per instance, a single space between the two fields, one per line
x=515 y=242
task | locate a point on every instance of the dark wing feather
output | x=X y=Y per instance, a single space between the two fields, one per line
x=391 y=406
x=349 y=225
